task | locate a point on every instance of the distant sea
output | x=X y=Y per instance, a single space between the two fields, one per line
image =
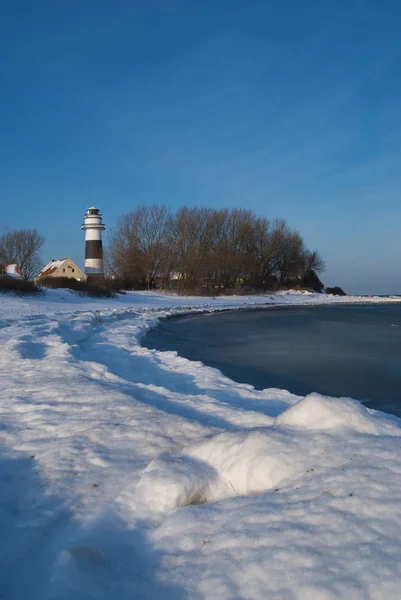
x=352 y=351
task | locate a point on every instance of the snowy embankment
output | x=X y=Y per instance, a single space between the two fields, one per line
x=130 y=473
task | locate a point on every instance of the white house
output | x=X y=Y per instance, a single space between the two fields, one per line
x=10 y=271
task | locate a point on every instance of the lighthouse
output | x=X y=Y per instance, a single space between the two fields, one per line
x=93 y=228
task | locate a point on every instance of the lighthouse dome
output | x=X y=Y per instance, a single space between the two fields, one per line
x=92 y=210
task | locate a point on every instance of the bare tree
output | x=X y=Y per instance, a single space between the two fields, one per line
x=290 y=259
x=138 y=245
x=151 y=223
x=23 y=246
x=189 y=240
x=234 y=242
x=312 y=261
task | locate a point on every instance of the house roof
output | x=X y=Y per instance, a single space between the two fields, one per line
x=51 y=267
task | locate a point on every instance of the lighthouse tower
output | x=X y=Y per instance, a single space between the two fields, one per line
x=93 y=228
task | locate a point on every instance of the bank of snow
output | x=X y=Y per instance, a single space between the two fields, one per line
x=234 y=464
x=127 y=472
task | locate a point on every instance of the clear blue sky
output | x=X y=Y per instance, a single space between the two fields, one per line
x=291 y=108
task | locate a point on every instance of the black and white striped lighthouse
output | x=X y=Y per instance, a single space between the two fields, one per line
x=93 y=228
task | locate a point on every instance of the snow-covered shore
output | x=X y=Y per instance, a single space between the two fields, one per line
x=130 y=473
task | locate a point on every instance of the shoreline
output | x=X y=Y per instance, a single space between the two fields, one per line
x=202 y=350
x=260 y=307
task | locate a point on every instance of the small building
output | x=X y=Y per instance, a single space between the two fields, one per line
x=13 y=271
x=64 y=267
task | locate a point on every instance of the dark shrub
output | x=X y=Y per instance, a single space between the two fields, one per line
x=18 y=286
x=312 y=281
x=126 y=283
x=98 y=288
x=261 y=283
x=335 y=291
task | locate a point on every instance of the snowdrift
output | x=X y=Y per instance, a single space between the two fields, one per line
x=231 y=464
x=322 y=413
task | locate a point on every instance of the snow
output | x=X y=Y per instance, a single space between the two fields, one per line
x=232 y=464
x=131 y=473
x=317 y=412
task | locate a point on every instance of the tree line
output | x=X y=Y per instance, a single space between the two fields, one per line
x=204 y=249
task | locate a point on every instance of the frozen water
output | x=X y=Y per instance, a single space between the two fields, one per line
x=352 y=351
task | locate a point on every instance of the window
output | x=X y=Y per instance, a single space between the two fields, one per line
x=63 y=270
x=73 y=270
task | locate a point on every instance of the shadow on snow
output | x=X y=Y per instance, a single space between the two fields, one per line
x=45 y=554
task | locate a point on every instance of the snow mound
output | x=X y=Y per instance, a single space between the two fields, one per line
x=244 y=463
x=225 y=465
x=319 y=413
x=179 y=481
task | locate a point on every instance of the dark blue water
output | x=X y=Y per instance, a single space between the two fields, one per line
x=335 y=350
